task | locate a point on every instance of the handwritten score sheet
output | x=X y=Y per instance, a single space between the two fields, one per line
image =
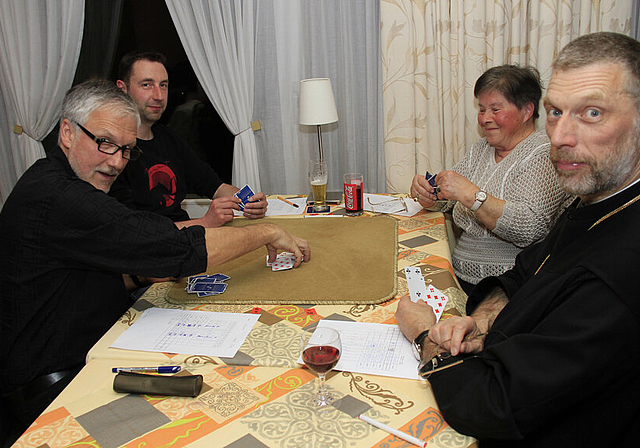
x=377 y=349
x=188 y=332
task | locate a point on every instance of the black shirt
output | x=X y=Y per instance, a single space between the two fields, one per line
x=64 y=246
x=561 y=364
x=160 y=179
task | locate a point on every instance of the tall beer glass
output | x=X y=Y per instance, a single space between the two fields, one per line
x=318 y=180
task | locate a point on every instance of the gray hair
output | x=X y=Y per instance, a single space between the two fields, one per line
x=602 y=48
x=82 y=99
x=519 y=85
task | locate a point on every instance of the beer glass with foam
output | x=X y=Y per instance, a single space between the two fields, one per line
x=318 y=181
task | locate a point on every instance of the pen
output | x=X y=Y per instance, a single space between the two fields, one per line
x=288 y=202
x=160 y=369
x=395 y=432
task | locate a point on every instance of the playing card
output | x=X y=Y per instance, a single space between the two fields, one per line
x=205 y=286
x=193 y=278
x=415 y=282
x=436 y=300
x=244 y=194
x=285 y=260
x=219 y=288
x=219 y=277
x=431 y=178
x=202 y=284
x=419 y=291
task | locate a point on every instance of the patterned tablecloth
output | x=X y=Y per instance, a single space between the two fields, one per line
x=260 y=398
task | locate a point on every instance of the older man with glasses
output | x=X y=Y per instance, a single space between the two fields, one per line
x=69 y=253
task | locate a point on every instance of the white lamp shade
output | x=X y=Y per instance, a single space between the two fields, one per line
x=317 y=105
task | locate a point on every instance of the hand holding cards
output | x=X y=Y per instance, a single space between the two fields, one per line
x=431 y=178
x=284 y=261
x=244 y=194
x=419 y=291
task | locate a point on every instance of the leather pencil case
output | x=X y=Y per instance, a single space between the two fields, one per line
x=139 y=383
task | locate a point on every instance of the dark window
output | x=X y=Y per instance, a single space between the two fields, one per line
x=112 y=29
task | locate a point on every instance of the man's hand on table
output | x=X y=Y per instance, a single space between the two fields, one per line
x=467 y=334
x=414 y=317
x=456 y=334
x=289 y=243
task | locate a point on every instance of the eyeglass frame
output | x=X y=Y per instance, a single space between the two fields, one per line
x=438 y=357
x=132 y=150
x=389 y=201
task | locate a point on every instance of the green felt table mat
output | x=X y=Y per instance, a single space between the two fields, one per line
x=353 y=261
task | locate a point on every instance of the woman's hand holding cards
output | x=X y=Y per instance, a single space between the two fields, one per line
x=423 y=191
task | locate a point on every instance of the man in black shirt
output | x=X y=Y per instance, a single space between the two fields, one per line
x=69 y=252
x=159 y=180
x=548 y=355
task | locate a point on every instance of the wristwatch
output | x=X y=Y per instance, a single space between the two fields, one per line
x=481 y=196
x=417 y=343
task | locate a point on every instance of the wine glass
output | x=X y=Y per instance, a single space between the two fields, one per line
x=320 y=351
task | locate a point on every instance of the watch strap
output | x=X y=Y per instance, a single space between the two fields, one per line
x=476 y=205
x=418 y=341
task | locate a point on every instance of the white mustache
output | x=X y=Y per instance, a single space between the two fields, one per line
x=111 y=172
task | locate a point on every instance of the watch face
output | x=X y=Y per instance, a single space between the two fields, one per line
x=481 y=196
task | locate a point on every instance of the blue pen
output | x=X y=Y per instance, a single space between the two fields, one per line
x=160 y=369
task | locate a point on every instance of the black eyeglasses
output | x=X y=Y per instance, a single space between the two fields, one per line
x=107 y=147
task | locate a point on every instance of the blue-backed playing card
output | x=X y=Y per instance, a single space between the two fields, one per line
x=219 y=277
x=213 y=290
x=244 y=194
x=431 y=178
x=209 y=287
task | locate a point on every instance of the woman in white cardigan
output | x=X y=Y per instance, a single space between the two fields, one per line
x=504 y=194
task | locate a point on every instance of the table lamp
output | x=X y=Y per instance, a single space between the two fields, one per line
x=317 y=105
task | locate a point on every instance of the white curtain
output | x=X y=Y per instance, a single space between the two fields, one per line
x=289 y=41
x=218 y=37
x=635 y=20
x=39 y=48
x=433 y=52
x=311 y=39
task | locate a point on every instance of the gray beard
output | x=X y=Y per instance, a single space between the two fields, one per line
x=610 y=175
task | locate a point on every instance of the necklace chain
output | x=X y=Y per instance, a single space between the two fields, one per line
x=608 y=215
x=613 y=212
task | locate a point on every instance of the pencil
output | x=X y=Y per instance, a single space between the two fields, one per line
x=402 y=435
x=288 y=202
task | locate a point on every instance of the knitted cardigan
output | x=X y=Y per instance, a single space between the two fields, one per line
x=527 y=181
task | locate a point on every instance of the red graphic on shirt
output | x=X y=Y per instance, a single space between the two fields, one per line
x=162 y=181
